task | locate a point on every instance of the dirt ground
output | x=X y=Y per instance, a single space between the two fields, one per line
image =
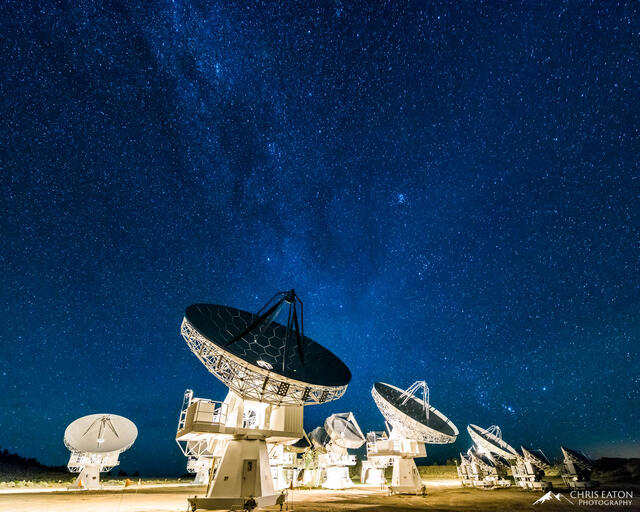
x=441 y=497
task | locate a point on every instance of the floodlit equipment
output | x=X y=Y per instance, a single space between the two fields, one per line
x=486 y=470
x=576 y=470
x=203 y=453
x=373 y=469
x=286 y=465
x=282 y=463
x=272 y=371
x=465 y=471
x=413 y=421
x=490 y=440
x=300 y=449
x=313 y=474
x=486 y=464
x=528 y=470
x=341 y=433
x=95 y=442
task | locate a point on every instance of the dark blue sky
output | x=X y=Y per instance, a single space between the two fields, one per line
x=452 y=189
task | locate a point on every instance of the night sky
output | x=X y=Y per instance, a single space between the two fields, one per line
x=452 y=189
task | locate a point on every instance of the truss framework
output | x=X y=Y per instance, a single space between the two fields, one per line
x=253 y=382
x=79 y=460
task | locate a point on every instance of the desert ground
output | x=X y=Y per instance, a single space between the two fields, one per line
x=443 y=495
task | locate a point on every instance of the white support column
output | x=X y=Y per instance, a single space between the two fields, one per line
x=89 y=477
x=406 y=478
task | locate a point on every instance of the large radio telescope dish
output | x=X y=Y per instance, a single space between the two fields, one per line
x=490 y=440
x=411 y=417
x=100 y=433
x=260 y=359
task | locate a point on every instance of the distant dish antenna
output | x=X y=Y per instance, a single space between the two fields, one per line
x=528 y=470
x=407 y=416
x=535 y=457
x=576 y=470
x=413 y=422
x=95 y=442
x=489 y=440
x=342 y=434
x=319 y=438
x=272 y=370
x=344 y=431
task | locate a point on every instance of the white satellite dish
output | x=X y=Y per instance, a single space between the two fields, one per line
x=344 y=431
x=272 y=371
x=490 y=440
x=95 y=442
x=413 y=422
x=342 y=434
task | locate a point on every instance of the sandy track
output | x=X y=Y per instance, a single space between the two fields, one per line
x=364 y=499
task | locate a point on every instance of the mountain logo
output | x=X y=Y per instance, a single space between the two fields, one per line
x=550 y=496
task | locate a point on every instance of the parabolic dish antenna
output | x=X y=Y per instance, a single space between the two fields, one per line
x=490 y=440
x=319 y=437
x=334 y=459
x=410 y=418
x=100 y=433
x=344 y=431
x=535 y=457
x=272 y=371
x=95 y=443
x=260 y=359
x=577 y=458
x=480 y=459
x=300 y=446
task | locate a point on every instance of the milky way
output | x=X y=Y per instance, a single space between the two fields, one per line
x=452 y=190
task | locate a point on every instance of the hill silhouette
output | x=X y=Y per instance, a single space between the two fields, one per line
x=15 y=467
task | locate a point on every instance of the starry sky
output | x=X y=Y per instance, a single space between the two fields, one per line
x=452 y=188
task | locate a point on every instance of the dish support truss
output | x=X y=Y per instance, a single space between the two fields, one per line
x=105 y=461
x=496 y=431
x=251 y=382
x=411 y=392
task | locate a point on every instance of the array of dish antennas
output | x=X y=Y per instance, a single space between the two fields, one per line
x=412 y=422
x=483 y=469
x=96 y=442
x=272 y=370
x=485 y=463
x=527 y=466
